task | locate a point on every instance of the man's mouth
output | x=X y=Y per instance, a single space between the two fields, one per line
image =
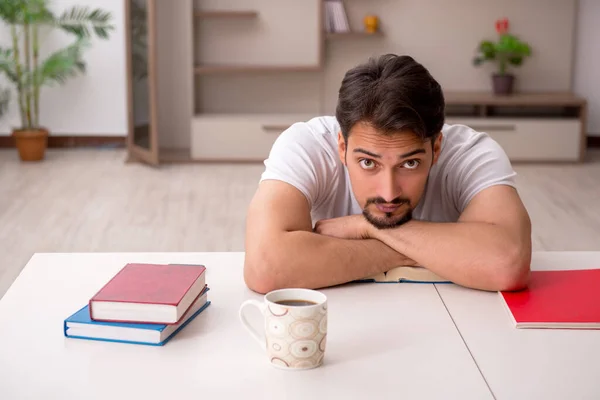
x=387 y=208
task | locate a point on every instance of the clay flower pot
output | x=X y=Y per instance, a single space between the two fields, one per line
x=503 y=83
x=31 y=143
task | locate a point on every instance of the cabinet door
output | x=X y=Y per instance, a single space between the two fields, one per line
x=284 y=33
x=142 y=138
x=531 y=139
x=238 y=137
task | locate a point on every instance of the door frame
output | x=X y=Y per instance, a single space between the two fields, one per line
x=136 y=152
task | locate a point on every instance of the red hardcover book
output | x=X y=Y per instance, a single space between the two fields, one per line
x=557 y=299
x=148 y=293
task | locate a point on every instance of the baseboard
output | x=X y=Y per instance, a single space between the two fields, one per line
x=63 y=141
x=593 y=141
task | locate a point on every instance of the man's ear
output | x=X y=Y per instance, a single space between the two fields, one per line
x=437 y=147
x=342 y=147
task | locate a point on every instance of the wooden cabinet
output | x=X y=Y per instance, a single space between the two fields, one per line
x=539 y=127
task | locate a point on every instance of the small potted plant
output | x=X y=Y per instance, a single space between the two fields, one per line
x=509 y=50
x=23 y=67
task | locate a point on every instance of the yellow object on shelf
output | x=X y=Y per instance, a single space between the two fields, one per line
x=371 y=23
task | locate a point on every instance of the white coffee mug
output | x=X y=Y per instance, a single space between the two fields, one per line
x=295 y=327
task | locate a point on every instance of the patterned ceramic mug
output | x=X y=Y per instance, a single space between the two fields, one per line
x=295 y=327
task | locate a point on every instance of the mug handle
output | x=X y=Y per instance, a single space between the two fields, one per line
x=262 y=307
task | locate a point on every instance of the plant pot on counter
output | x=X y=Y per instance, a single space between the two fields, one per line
x=31 y=143
x=503 y=83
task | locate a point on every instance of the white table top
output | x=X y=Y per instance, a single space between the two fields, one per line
x=528 y=363
x=384 y=341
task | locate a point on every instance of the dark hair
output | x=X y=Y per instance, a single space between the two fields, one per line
x=391 y=93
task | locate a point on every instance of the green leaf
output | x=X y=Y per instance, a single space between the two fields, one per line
x=517 y=61
x=506 y=43
x=477 y=61
x=60 y=66
x=82 y=21
x=12 y=11
x=4 y=100
x=525 y=49
x=37 y=12
x=512 y=46
x=20 y=12
x=7 y=65
x=487 y=49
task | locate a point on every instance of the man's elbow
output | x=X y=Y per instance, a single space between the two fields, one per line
x=258 y=276
x=513 y=280
x=513 y=271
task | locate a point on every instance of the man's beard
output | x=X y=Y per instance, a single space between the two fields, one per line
x=388 y=222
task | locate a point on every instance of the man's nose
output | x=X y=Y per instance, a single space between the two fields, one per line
x=389 y=188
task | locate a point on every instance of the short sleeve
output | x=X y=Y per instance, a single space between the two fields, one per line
x=301 y=158
x=480 y=166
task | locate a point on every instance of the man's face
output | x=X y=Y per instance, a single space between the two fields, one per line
x=388 y=173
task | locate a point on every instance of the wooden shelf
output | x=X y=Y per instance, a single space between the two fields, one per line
x=351 y=35
x=230 y=69
x=226 y=14
x=562 y=99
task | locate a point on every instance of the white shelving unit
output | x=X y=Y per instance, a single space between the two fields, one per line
x=226 y=77
x=271 y=75
x=248 y=73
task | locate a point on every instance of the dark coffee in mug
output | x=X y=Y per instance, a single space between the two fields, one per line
x=295 y=303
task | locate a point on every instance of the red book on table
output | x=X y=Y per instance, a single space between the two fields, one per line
x=557 y=299
x=148 y=293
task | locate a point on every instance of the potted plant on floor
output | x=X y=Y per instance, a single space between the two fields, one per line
x=27 y=21
x=509 y=50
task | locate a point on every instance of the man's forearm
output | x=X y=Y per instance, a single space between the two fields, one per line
x=309 y=260
x=477 y=255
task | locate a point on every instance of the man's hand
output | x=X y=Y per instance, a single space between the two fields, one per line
x=350 y=227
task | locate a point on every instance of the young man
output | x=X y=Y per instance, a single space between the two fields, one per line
x=383 y=184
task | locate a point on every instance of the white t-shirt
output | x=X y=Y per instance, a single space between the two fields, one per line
x=306 y=156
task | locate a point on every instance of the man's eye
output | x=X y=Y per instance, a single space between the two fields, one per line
x=411 y=164
x=365 y=163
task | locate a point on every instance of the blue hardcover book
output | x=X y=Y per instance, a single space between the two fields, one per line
x=406 y=274
x=80 y=326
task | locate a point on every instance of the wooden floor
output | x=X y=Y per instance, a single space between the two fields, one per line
x=92 y=201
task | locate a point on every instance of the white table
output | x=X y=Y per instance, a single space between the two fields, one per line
x=384 y=341
x=528 y=363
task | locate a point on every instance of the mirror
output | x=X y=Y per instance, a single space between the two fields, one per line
x=139 y=72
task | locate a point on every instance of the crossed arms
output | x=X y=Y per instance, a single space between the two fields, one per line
x=489 y=248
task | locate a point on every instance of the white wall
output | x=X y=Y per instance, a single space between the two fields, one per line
x=444 y=39
x=92 y=104
x=586 y=80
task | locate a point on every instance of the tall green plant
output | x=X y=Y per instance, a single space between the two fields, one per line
x=21 y=62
